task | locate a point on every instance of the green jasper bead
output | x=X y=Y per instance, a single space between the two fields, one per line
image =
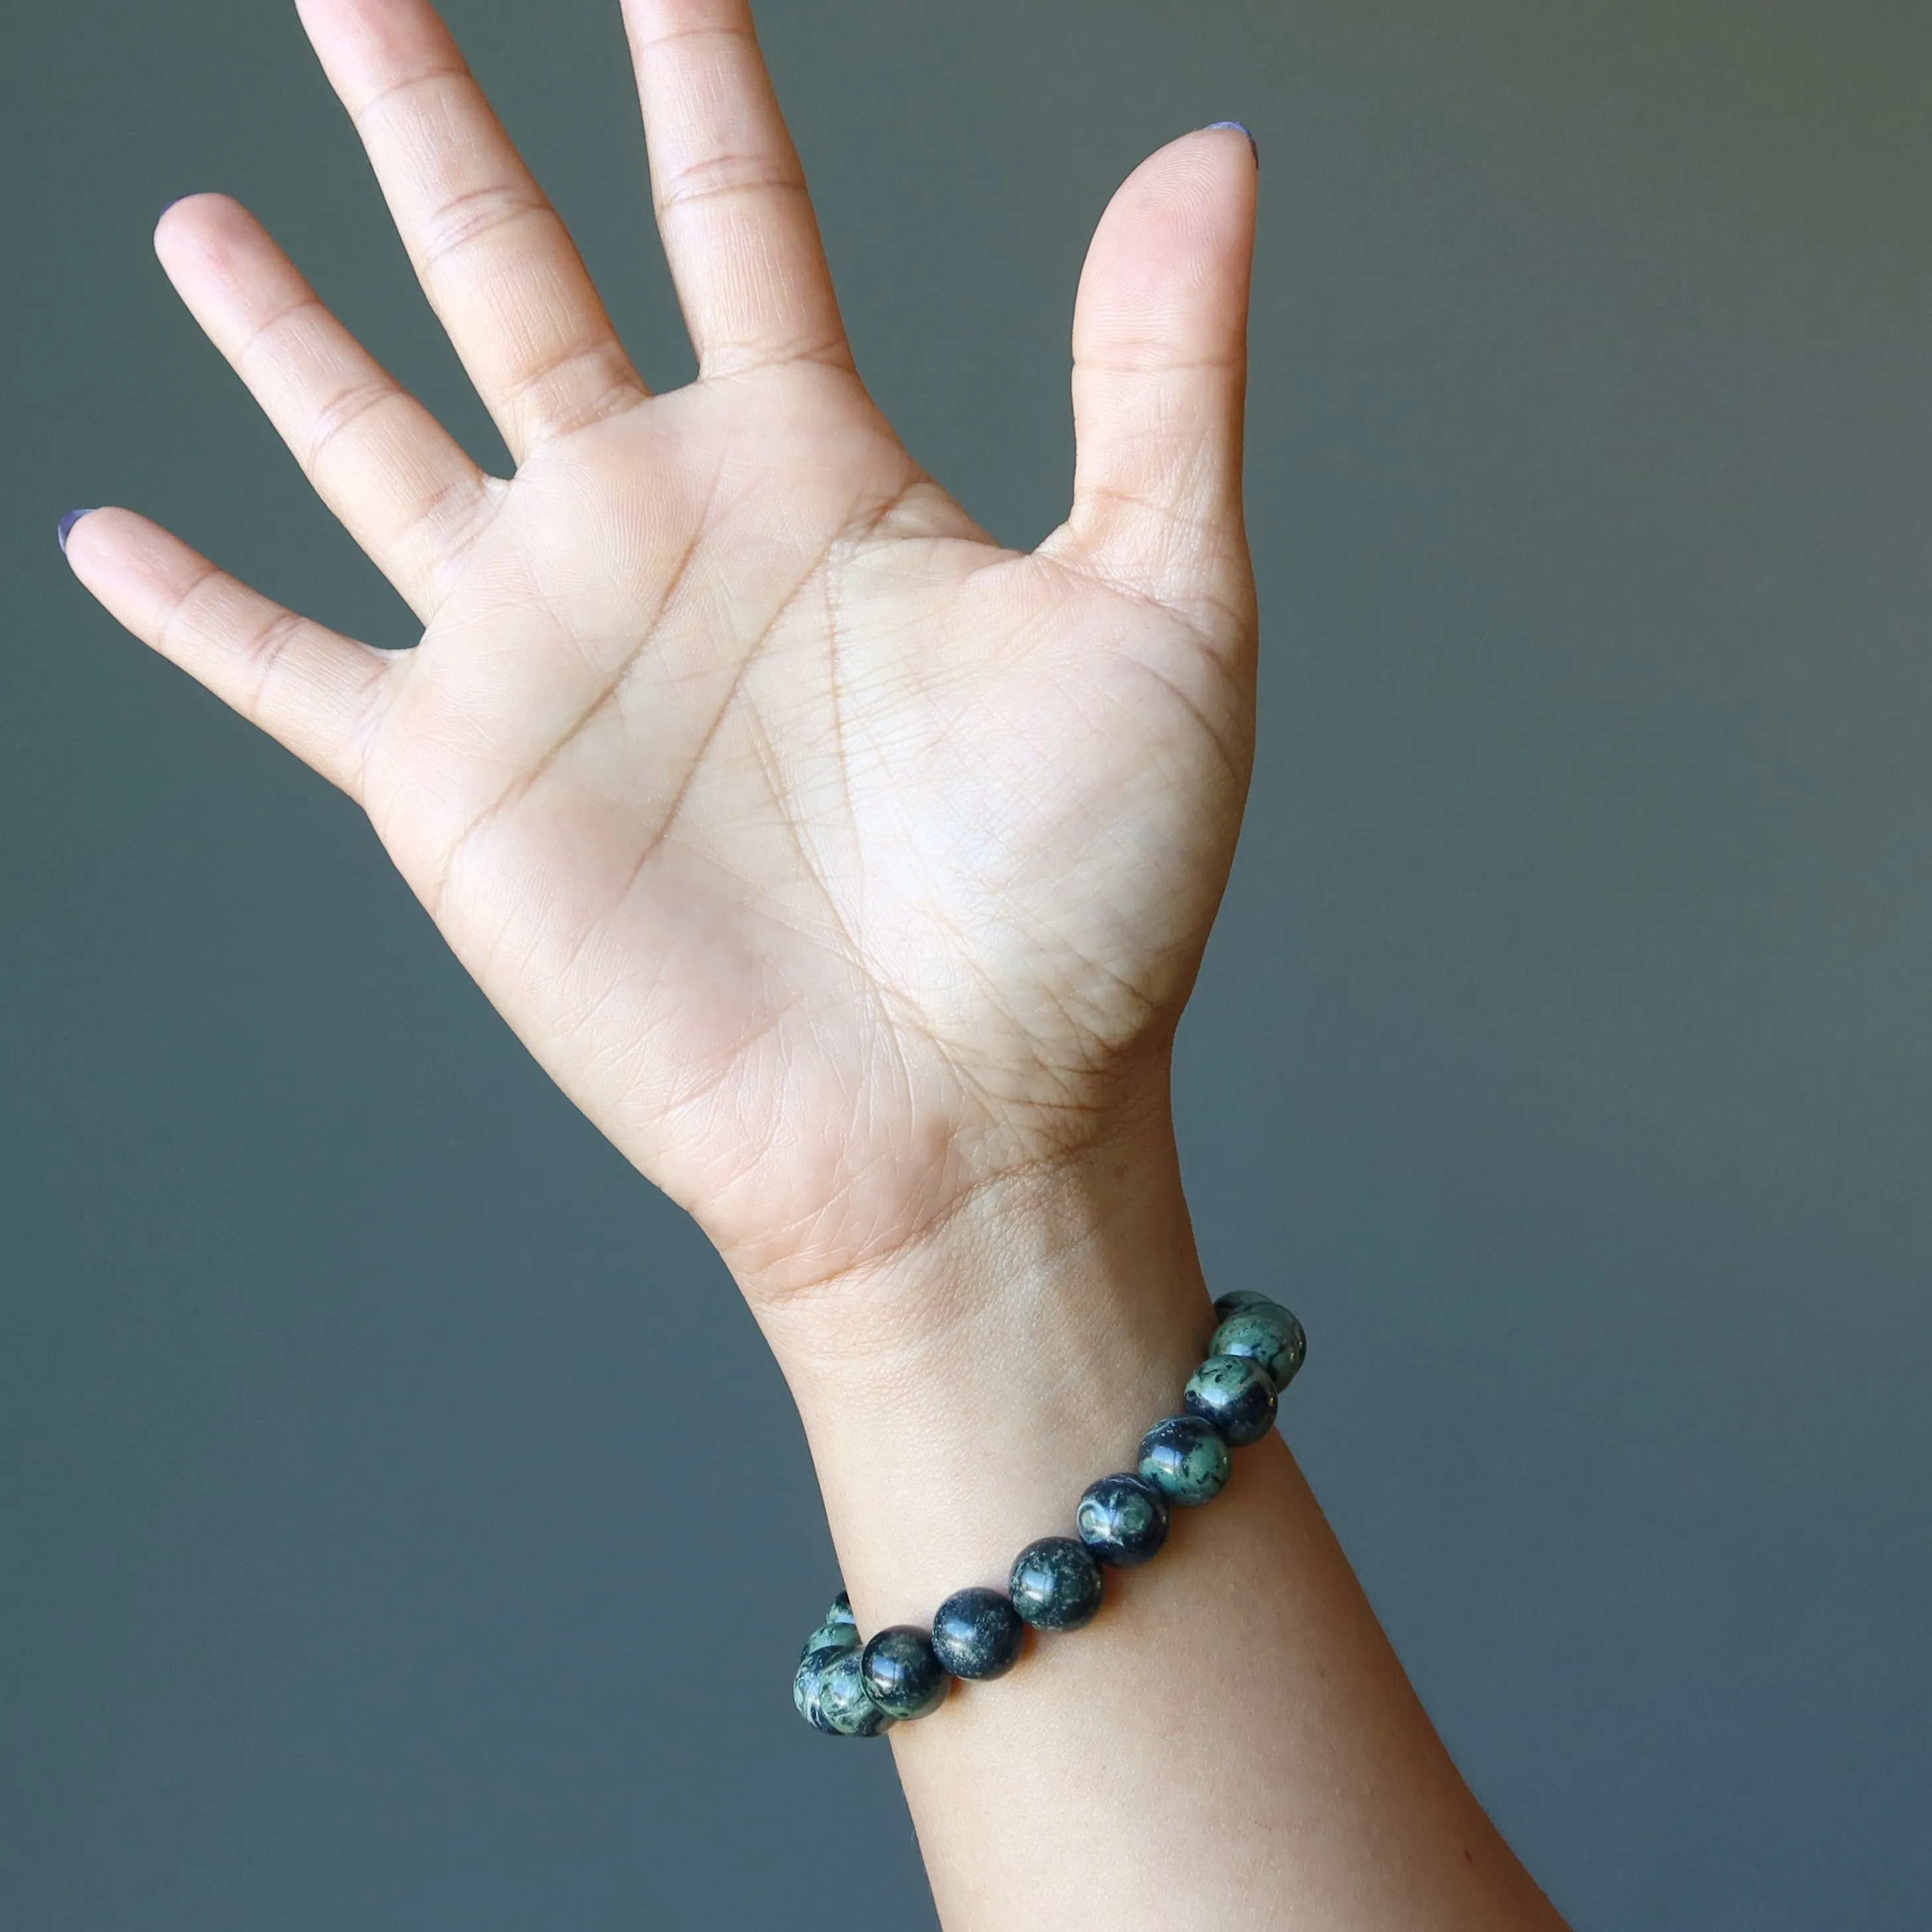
x=1245 y=1301
x=807 y=1686
x=1233 y=1302
x=1234 y=1397
x=845 y=1703
x=1056 y=1584
x=841 y=1611
x=1270 y=1336
x=1186 y=1459
x=832 y=1636
x=903 y=1673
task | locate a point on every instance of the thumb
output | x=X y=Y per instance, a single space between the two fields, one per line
x=1160 y=371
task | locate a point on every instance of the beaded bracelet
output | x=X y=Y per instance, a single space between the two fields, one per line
x=848 y=1689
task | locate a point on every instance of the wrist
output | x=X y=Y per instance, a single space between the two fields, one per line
x=959 y=1396
x=1047 y=1261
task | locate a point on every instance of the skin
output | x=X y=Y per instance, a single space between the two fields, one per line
x=851 y=871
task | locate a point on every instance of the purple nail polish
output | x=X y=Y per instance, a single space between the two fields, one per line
x=1254 y=146
x=67 y=523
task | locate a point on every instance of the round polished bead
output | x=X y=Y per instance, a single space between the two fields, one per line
x=1237 y=1299
x=845 y=1703
x=1234 y=1397
x=1186 y=1459
x=977 y=1633
x=1122 y=1520
x=832 y=1636
x=905 y=1678
x=1056 y=1584
x=1247 y=1301
x=1269 y=1335
x=808 y=1685
x=841 y=1611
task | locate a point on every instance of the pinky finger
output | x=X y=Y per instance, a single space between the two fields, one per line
x=311 y=689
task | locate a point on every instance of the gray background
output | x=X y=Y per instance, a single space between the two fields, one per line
x=1564 y=1051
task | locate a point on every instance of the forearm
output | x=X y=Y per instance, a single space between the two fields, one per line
x=1232 y=1740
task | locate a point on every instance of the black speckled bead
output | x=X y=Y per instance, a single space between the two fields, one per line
x=1234 y=1397
x=905 y=1678
x=1122 y=1520
x=977 y=1633
x=1186 y=1459
x=1270 y=1338
x=841 y=1611
x=845 y=1704
x=1056 y=1584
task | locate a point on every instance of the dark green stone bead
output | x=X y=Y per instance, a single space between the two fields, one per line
x=1237 y=1299
x=1270 y=1337
x=1186 y=1459
x=1056 y=1584
x=841 y=1611
x=977 y=1633
x=1122 y=1520
x=1292 y=1350
x=905 y=1678
x=845 y=1703
x=808 y=1682
x=832 y=1636
x=1234 y=1397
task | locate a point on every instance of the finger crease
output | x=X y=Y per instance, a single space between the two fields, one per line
x=710 y=30
x=253 y=339
x=163 y=637
x=690 y=188
x=428 y=76
x=452 y=230
x=480 y=497
x=626 y=386
x=267 y=648
x=343 y=411
x=829 y=350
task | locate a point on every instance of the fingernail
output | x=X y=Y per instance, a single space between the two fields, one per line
x=67 y=523
x=1254 y=146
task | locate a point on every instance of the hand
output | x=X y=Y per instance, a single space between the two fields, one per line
x=837 y=862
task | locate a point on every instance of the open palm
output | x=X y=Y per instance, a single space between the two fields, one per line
x=836 y=860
